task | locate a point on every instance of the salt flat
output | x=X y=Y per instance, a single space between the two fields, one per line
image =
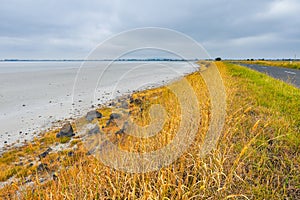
x=35 y=95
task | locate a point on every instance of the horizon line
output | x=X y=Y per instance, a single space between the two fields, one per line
x=141 y=59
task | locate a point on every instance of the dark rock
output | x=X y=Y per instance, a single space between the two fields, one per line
x=124 y=104
x=119 y=132
x=90 y=116
x=131 y=100
x=71 y=153
x=90 y=152
x=138 y=102
x=5 y=142
x=114 y=116
x=23 y=105
x=122 y=130
x=42 y=180
x=94 y=130
x=28 y=180
x=20 y=164
x=135 y=101
x=112 y=104
x=42 y=167
x=66 y=131
x=54 y=176
x=45 y=153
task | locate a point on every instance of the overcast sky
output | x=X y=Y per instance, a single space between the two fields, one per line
x=227 y=28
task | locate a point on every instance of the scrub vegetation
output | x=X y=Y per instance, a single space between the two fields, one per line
x=257 y=155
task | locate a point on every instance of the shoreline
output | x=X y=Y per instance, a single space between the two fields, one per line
x=56 y=124
x=46 y=142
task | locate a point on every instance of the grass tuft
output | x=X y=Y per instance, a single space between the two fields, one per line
x=257 y=155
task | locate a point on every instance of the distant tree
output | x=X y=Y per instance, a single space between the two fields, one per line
x=218 y=59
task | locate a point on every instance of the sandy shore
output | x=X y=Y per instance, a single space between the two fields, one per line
x=35 y=96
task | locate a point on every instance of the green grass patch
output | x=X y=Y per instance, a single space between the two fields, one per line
x=273 y=160
x=269 y=92
x=64 y=140
x=285 y=64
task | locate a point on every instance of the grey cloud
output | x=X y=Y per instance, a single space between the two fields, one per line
x=227 y=28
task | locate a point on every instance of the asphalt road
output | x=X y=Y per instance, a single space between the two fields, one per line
x=291 y=76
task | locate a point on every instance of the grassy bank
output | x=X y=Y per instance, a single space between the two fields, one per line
x=286 y=64
x=257 y=156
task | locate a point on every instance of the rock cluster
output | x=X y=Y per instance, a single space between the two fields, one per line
x=90 y=116
x=66 y=131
